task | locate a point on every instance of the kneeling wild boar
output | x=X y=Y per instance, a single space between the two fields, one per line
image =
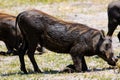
x=62 y=37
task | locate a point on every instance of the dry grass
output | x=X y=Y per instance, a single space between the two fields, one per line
x=51 y=63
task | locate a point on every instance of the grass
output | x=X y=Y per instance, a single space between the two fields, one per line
x=51 y=63
x=12 y=3
x=86 y=7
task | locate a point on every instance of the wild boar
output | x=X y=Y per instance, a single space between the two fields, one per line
x=60 y=36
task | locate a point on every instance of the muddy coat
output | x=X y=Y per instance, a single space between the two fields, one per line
x=60 y=36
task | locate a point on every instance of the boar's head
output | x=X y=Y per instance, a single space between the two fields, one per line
x=105 y=50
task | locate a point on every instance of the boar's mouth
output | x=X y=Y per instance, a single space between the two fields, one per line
x=110 y=61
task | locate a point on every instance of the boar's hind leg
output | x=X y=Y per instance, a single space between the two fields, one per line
x=10 y=49
x=113 y=19
x=111 y=27
x=21 y=53
x=32 y=44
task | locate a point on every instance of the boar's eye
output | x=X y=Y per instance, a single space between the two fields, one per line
x=110 y=40
x=107 y=46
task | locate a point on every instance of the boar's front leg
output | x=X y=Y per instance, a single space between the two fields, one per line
x=77 y=54
x=84 y=66
x=71 y=68
x=77 y=62
x=78 y=57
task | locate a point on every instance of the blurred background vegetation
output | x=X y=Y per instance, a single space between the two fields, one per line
x=11 y=3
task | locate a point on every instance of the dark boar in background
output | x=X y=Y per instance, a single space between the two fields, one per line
x=113 y=17
x=8 y=33
x=9 y=36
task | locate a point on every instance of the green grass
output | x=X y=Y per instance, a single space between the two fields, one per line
x=51 y=63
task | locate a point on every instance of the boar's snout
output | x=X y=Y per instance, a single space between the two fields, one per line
x=113 y=61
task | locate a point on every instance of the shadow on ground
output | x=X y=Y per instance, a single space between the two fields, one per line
x=52 y=72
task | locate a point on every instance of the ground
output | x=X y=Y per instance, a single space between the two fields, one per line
x=93 y=14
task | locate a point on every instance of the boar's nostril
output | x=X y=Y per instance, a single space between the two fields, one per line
x=115 y=59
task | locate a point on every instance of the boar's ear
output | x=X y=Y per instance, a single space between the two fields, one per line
x=103 y=33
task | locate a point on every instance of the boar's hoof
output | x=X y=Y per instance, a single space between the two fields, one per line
x=69 y=69
x=3 y=53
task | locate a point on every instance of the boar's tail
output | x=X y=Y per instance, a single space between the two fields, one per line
x=16 y=23
x=17 y=32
